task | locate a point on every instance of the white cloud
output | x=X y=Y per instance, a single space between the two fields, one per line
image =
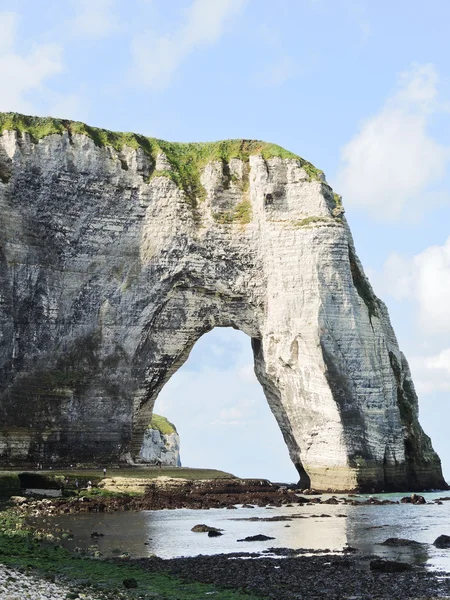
x=67 y=106
x=8 y=26
x=397 y=277
x=278 y=72
x=229 y=416
x=94 y=19
x=157 y=58
x=432 y=373
x=365 y=30
x=22 y=73
x=280 y=69
x=246 y=374
x=425 y=280
x=390 y=164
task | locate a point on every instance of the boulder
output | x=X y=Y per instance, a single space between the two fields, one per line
x=201 y=528
x=389 y=566
x=214 y=533
x=397 y=542
x=443 y=541
x=256 y=538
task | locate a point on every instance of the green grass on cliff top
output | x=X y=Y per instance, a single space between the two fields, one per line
x=162 y=425
x=186 y=159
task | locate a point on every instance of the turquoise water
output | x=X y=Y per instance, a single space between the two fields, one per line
x=167 y=533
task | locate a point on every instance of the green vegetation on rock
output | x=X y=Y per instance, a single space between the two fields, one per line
x=162 y=425
x=316 y=220
x=186 y=159
x=242 y=214
x=337 y=200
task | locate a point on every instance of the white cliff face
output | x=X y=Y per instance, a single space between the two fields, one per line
x=108 y=278
x=158 y=448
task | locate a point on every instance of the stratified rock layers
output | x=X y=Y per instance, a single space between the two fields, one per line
x=112 y=267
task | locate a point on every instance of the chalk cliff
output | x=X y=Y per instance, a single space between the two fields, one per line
x=117 y=252
x=161 y=443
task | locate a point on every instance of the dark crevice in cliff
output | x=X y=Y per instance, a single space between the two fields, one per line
x=344 y=396
x=405 y=397
x=5 y=166
x=362 y=285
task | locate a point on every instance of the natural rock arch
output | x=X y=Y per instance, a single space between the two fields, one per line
x=118 y=252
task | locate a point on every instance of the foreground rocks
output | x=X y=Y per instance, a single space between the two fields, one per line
x=256 y=538
x=346 y=576
x=443 y=541
x=331 y=577
x=389 y=566
x=172 y=494
x=15 y=584
x=401 y=542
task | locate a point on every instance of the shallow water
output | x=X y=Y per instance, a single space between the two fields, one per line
x=167 y=533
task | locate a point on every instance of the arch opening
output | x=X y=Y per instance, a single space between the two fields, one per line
x=221 y=412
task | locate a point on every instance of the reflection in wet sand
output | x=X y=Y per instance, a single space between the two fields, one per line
x=167 y=533
x=369 y=526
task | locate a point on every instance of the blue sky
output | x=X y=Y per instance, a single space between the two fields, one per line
x=359 y=88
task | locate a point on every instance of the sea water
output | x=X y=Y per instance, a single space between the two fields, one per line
x=318 y=527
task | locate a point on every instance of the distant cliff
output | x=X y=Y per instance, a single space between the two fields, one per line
x=161 y=444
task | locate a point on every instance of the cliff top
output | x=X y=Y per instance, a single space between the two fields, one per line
x=162 y=425
x=186 y=159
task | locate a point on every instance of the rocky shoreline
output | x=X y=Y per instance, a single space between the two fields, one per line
x=15 y=584
x=330 y=577
x=170 y=493
x=276 y=573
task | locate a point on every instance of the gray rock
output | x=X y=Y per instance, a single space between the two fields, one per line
x=201 y=528
x=256 y=538
x=18 y=500
x=396 y=542
x=443 y=541
x=110 y=271
x=389 y=566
